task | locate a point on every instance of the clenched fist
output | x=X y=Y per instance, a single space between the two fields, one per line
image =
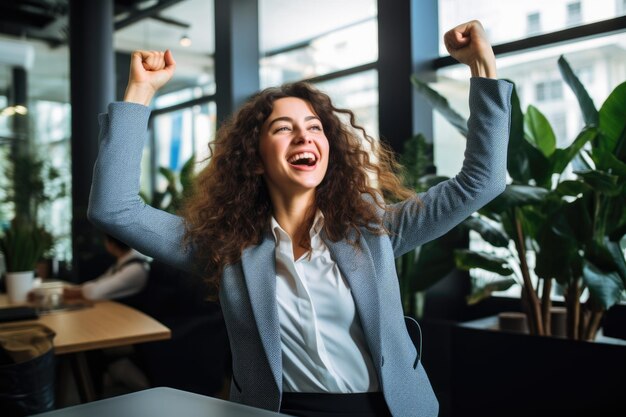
x=149 y=71
x=468 y=44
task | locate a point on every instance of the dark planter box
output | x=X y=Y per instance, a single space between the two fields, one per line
x=497 y=373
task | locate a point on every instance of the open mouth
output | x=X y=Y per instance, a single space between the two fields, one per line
x=303 y=159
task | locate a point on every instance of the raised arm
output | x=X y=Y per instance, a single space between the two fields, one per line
x=114 y=202
x=483 y=175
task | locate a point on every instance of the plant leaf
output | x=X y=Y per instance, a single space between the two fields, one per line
x=416 y=160
x=588 y=109
x=612 y=119
x=604 y=287
x=538 y=131
x=618 y=258
x=572 y=188
x=562 y=157
x=187 y=175
x=441 y=104
x=466 y=259
x=518 y=164
x=494 y=234
x=606 y=161
x=573 y=221
x=516 y=196
x=601 y=182
x=482 y=292
x=435 y=259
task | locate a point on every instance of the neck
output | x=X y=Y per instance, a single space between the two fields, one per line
x=292 y=213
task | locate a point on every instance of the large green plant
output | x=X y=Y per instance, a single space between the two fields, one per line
x=574 y=226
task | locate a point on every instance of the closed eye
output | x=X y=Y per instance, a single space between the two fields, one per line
x=282 y=129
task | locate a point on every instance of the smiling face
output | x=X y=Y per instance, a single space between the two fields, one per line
x=293 y=148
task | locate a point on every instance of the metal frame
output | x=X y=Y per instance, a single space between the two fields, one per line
x=604 y=27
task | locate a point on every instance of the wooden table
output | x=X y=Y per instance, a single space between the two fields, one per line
x=106 y=324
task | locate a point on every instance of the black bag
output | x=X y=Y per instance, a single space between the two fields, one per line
x=27 y=368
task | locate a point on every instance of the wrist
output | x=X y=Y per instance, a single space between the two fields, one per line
x=139 y=93
x=483 y=68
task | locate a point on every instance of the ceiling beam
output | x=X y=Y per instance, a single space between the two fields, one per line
x=138 y=15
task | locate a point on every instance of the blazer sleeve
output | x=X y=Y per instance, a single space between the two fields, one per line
x=114 y=203
x=482 y=178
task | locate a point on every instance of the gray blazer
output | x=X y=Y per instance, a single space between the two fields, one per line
x=248 y=288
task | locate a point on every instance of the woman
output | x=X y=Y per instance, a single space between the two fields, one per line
x=285 y=221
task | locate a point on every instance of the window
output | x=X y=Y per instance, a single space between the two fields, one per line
x=359 y=93
x=574 y=14
x=533 y=24
x=177 y=136
x=345 y=48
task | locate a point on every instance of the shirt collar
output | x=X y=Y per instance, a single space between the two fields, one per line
x=316 y=228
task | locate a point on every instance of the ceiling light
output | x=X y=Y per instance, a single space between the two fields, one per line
x=185 y=41
x=13 y=110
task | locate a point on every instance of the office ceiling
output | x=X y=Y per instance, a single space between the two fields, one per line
x=159 y=24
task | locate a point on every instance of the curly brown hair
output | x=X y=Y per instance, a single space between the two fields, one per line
x=230 y=207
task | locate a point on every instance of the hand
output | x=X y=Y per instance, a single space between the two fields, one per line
x=149 y=71
x=73 y=293
x=468 y=44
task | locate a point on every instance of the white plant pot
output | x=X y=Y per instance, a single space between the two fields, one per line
x=18 y=285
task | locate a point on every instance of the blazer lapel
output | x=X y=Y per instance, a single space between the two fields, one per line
x=357 y=267
x=259 y=270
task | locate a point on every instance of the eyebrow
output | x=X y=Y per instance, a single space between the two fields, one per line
x=290 y=120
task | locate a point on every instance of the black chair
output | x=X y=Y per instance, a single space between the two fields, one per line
x=197 y=357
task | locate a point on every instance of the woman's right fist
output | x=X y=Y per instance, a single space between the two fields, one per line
x=149 y=71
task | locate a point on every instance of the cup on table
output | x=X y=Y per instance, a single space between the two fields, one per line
x=48 y=295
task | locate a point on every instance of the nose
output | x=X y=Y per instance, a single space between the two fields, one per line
x=302 y=136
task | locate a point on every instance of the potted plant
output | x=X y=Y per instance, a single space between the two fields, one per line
x=22 y=245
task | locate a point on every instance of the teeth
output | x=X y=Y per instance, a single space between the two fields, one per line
x=301 y=155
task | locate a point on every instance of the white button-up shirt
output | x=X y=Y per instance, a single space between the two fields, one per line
x=323 y=346
x=120 y=280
